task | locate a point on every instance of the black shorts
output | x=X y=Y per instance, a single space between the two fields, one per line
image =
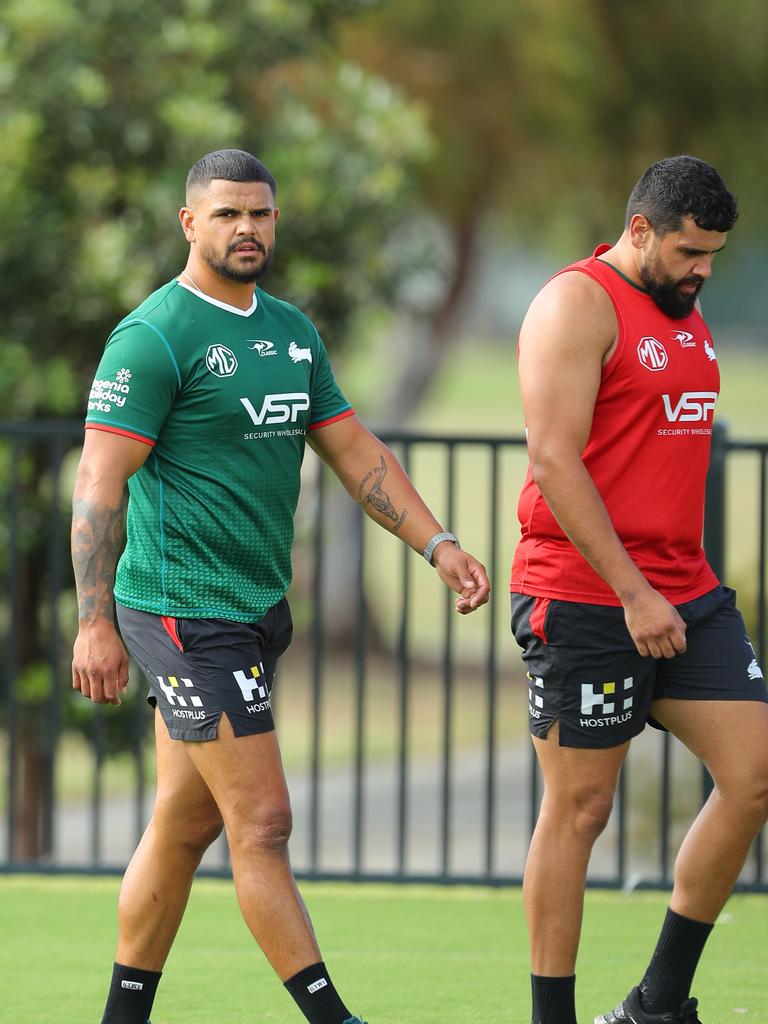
x=199 y=668
x=585 y=672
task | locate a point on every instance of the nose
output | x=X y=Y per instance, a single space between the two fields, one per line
x=703 y=268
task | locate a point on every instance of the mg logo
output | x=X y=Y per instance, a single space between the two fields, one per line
x=278 y=408
x=652 y=354
x=695 y=406
x=221 y=360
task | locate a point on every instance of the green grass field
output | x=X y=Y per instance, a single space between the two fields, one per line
x=400 y=955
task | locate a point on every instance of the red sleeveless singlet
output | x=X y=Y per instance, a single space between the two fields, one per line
x=648 y=454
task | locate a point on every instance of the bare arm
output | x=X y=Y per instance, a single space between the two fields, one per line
x=100 y=662
x=376 y=480
x=568 y=333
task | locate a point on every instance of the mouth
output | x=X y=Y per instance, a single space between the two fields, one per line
x=690 y=287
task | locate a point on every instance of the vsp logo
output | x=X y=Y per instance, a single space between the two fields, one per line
x=221 y=360
x=692 y=406
x=652 y=354
x=278 y=408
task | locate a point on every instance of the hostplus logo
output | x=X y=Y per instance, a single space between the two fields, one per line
x=253 y=684
x=605 y=704
x=535 y=695
x=177 y=694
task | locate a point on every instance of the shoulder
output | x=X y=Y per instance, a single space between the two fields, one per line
x=572 y=309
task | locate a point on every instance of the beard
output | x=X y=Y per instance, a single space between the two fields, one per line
x=665 y=291
x=244 y=275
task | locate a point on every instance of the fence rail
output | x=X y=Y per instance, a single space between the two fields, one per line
x=403 y=726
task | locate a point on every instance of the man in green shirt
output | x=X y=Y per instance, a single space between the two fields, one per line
x=202 y=403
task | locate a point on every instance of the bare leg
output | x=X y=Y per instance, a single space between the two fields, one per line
x=245 y=777
x=156 y=885
x=578 y=796
x=731 y=738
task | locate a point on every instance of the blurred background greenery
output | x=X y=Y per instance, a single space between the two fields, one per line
x=436 y=162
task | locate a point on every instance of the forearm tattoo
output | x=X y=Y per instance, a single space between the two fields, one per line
x=372 y=495
x=97 y=539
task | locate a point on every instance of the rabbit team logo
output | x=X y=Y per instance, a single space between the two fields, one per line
x=652 y=354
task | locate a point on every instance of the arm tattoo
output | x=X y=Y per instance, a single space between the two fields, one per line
x=97 y=539
x=371 y=496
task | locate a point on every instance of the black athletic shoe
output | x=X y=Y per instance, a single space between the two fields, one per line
x=630 y=1011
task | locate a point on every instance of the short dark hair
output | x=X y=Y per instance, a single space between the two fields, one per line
x=229 y=165
x=682 y=186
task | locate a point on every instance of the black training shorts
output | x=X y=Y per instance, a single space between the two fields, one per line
x=585 y=672
x=199 y=668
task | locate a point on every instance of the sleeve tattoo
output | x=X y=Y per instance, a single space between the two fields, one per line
x=97 y=539
x=371 y=495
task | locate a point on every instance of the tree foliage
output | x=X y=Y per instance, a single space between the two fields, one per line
x=104 y=106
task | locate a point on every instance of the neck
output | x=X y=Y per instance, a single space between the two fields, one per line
x=623 y=256
x=203 y=279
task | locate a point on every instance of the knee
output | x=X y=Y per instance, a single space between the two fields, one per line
x=266 y=829
x=750 y=794
x=584 y=813
x=194 y=833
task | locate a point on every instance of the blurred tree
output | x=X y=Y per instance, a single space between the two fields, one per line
x=104 y=105
x=545 y=112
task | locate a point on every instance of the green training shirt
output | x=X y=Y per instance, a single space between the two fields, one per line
x=225 y=397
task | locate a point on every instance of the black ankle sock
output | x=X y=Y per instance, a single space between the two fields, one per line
x=667 y=980
x=316 y=997
x=554 y=1000
x=131 y=995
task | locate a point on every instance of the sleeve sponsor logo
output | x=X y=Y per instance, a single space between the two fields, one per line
x=652 y=354
x=107 y=393
x=297 y=354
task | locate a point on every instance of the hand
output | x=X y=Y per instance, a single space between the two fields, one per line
x=99 y=662
x=654 y=625
x=464 y=574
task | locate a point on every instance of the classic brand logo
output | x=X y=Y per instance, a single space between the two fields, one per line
x=652 y=354
x=685 y=339
x=264 y=348
x=693 y=406
x=278 y=408
x=221 y=360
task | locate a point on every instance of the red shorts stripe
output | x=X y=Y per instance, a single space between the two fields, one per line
x=538 y=615
x=116 y=430
x=171 y=627
x=333 y=419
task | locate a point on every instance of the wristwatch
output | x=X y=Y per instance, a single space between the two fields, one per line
x=432 y=543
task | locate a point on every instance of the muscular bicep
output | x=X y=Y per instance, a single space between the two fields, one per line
x=108 y=460
x=567 y=333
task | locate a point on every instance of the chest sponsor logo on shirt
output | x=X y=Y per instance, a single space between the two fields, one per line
x=221 y=360
x=264 y=348
x=691 y=406
x=652 y=354
x=283 y=408
x=106 y=393
x=686 y=340
x=297 y=354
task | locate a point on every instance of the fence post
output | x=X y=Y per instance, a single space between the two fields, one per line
x=714 y=504
x=714 y=530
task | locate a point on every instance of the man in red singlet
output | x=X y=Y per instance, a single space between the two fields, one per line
x=620 y=618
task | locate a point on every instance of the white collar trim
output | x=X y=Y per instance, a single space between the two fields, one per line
x=217 y=302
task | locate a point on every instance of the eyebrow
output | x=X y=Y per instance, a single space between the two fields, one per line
x=691 y=251
x=218 y=210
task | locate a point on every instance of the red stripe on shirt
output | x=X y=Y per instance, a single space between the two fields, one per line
x=333 y=419
x=116 y=430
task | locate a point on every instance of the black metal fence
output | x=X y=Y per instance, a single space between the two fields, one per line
x=403 y=726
